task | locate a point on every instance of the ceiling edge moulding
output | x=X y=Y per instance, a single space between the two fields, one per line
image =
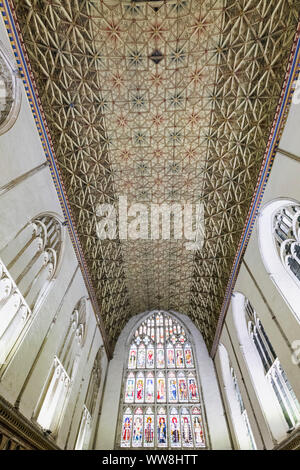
x=292 y=73
x=19 y=50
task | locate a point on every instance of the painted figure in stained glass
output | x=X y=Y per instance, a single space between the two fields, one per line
x=182 y=387
x=150 y=358
x=161 y=389
x=139 y=389
x=170 y=357
x=141 y=357
x=160 y=358
x=179 y=357
x=188 y=357
x=187 y=440
x=150 y=389
x=193 y=392
x=149 y=431
x=198 y=431
x=172 y=390
x=132 y=359
x=126 y=431
x=129 y=394
x=137 y=434
x=175 y=431
x=161 y=430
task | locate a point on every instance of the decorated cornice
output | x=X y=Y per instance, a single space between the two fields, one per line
x=19 y=432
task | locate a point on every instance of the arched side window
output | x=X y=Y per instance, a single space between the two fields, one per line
x=273 y=370
x=10 y=92
x=238 y=412
x=27 y=266
x=243 y=410
x=57 y=389
x=279 y=240
x=287 y=237
x=161 y=403
x=85 y=428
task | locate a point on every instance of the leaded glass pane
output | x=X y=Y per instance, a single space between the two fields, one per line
x=149 y=428
x=126 y=429
x=149 y=398
x=175 y=434
x=186 y=428
x=150 y=358
x=141 y=357
x=193 y=389
x=160 y=357
x=137 y=432
x=182 y=388
x=161 y=428
x=188 y=356
x=129 y=390
x=161 y=389
x=179 y=357
x=198 y=428
x=132 y=357
x=170 y=357
x=172 y=388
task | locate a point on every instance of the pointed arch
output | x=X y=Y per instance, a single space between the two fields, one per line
x=56 y=392
x=28 y=266
x=10 y=92
x=274 y=392
x=279 y=243
x=211 y=418
x=86 y=422
x=160 y=371
x=238 y=412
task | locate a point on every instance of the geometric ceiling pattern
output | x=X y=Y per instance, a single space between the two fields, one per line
x=161 y=102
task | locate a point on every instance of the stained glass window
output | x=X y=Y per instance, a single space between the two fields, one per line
x=162 y=405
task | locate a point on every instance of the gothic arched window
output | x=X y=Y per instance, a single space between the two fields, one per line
x=161 y=398
x=287 y=236
x=243 y=410
x=238 y=412
x=273 y=370
x=84 y=434
x=57 y=389
x=279 y=238
x=27 y=266
x=10 y=93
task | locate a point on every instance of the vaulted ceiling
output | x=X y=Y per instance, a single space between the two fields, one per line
x=164 y=102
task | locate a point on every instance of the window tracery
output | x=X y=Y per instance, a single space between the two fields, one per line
x=161 y=398
x=287 y=237
x=243 y=410
x=10 y=93
x=273 y=370
x=86 y=422
x=27 y=266
x=57 y=389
